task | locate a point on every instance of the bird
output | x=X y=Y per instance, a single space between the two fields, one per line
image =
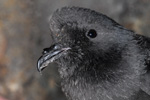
x=98 y=59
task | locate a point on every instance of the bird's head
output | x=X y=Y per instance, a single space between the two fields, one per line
x=85 y=43
x=93 y=51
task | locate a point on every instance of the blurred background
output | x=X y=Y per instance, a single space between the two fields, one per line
x=24 y=32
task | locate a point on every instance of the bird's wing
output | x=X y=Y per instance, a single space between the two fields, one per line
x=144 y=43
x=141 y=95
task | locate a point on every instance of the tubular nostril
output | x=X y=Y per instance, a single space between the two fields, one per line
x=46 y=50
x=53 y=47
x=56 y=47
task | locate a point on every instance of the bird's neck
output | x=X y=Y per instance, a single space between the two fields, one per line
x=122 y=81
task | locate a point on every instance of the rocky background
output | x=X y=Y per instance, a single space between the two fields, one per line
x=24 y=33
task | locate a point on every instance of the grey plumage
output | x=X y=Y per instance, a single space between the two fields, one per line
x=113 y=64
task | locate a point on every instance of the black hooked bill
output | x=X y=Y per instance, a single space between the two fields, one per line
x=49 y=55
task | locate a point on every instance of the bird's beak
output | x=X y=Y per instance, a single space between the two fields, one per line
x=49 y=55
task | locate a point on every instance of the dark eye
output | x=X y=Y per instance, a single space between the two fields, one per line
x=92 y=33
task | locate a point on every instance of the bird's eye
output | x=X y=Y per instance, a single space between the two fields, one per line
x=92 y=33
